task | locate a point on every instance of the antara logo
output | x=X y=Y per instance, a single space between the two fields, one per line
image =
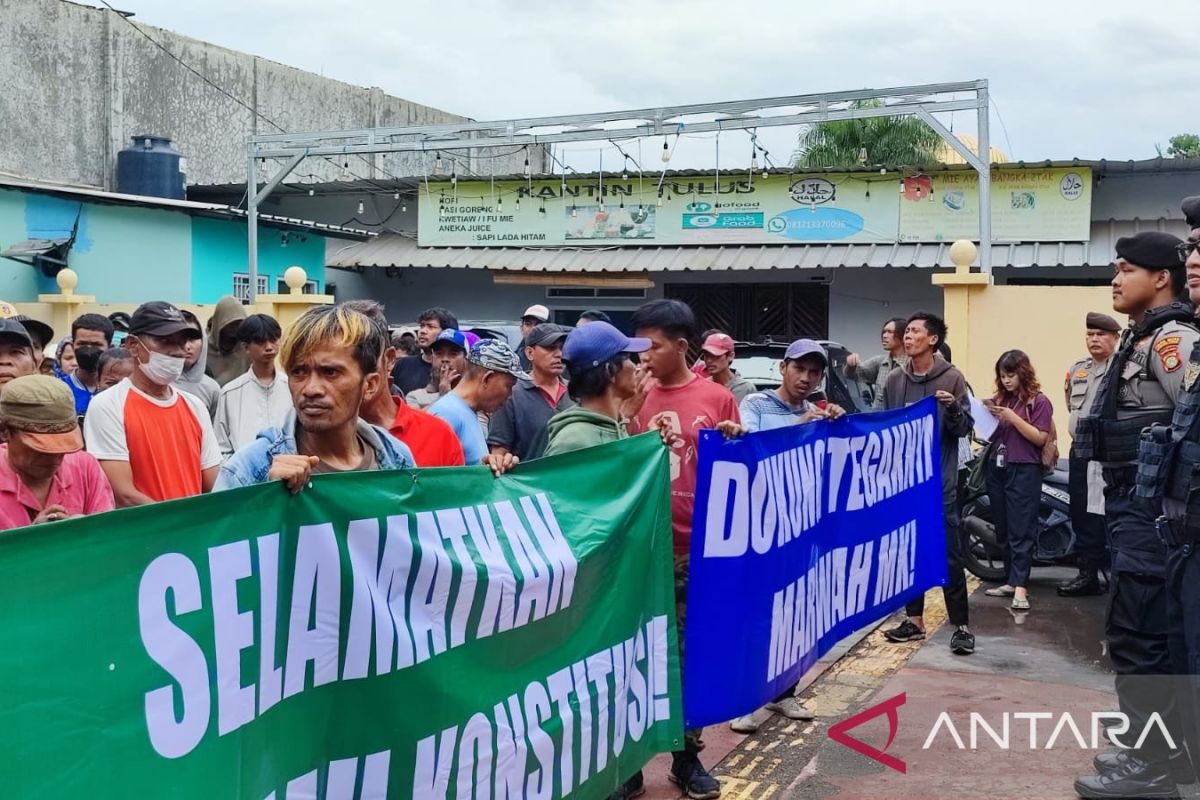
x=890 y=707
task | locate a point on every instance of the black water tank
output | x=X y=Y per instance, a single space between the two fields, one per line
x=150 y=166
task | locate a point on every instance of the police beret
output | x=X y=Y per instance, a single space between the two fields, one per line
x=1151 y=250
x=1191 y=211
x=1102 y=322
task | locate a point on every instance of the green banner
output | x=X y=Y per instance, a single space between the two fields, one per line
x=1034 y=204
x=430 y=633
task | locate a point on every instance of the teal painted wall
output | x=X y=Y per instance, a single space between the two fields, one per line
x=18 y=282
x=131 y=254
x=219 y=250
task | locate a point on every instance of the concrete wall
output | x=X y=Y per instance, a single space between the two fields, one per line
x=130 y=254
x=1047 y=322
x=89 y=81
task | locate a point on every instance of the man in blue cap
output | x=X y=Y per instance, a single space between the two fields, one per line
x=603 y=378
x=803 y=369
x=492 y=371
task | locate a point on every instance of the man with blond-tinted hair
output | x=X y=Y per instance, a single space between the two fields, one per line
x=331 y=359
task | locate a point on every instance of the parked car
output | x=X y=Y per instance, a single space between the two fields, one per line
x=759 y=364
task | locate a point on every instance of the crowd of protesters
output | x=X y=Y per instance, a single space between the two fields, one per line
x=136 y=409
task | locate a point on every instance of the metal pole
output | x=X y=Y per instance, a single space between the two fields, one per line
x=985 y=184
x=252 y=226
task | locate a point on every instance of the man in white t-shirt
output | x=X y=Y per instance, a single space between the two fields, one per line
x=153 y=442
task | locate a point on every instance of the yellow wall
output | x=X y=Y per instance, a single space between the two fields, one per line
x=1045 y=322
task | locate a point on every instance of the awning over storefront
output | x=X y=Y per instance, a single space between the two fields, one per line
x=393 y=250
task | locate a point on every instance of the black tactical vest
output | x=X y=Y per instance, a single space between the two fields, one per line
x=1169 y=457
x=1100 y=436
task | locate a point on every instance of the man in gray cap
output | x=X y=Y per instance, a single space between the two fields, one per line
x=1086 y=484
x=492 y=371
x=1140 y=388
x=519 y=426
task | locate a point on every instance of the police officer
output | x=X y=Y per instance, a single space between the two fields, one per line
x=1177 y=483
x=1091 y=546
x=1139 y=389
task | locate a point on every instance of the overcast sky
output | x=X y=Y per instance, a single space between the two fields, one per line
x=1068 y=78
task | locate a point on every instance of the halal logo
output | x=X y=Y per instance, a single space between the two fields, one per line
x=890 y=707
x=1071 y=186
x=813 y=191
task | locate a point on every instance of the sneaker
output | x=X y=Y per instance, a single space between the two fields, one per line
x=750 y=723
x=906 y=631
x=791 y=708
x=962 y=643
x=690 y=775
x=634 y=787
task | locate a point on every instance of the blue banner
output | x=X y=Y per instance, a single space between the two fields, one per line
x=801 y=536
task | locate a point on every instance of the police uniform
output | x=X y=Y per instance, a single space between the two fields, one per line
x=1140 y=389
x=1091 y=547
x=1169 y=470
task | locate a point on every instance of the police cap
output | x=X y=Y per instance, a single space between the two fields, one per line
x=1102 y=322
x=1191 y=211
x=1151 y=250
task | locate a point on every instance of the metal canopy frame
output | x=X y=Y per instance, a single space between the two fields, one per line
x=921 y=101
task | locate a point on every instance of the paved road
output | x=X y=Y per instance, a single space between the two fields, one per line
x=1050 y=660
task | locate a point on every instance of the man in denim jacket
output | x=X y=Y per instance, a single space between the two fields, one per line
x=331 y=359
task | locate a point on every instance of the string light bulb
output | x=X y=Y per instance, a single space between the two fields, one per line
x=527 y=173
x=754 y=161
x=574 y=211
x=453 y=178
x=437 y=161
x=666 y=153
x=766 y=173
x=500 y=204
x=518 y=203
x=396 y=196
x=404 y=207
x=311 y=193
x=361 y=207
x=345 y=171
x=660 y=200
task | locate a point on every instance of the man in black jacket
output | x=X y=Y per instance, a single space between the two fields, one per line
x=927 y=374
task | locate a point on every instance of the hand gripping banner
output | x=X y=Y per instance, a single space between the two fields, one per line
x=428 y=633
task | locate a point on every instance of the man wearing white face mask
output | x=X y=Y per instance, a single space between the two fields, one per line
x=153 y=442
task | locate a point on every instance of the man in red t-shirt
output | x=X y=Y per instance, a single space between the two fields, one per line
x=431 y=439
x=679 y=400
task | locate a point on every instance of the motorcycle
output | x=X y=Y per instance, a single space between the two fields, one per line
x=1055 y=542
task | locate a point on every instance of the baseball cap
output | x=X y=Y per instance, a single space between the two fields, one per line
x=538 y=312
x=159 y=318
x=546 y=335
x=11 y=329
x=718 y=344
x=42 y=408
x=39 y=331
x=451 y=336
x=497 y=356
x=805 y=347
x=593 y=344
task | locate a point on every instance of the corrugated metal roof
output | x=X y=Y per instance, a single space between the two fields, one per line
x=391 y=250
x=186 y=206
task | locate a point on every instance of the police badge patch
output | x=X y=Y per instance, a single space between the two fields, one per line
x=1190 y=375
x=1168 y=350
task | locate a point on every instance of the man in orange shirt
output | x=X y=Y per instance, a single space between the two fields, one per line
x=153 y=442
x=431 y=439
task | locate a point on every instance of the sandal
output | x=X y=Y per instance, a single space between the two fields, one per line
x=1001 y=591
x=1020 y=604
